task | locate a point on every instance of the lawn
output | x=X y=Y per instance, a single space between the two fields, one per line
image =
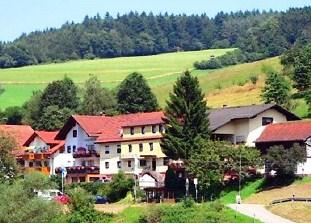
x=132 y=214
x=158 y=70
x=301 y=188
x=227 y=86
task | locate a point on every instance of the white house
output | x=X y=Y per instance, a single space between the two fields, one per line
x=101 y=146
x=244 y=124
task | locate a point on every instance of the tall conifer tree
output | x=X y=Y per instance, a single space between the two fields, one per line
x=186 y=118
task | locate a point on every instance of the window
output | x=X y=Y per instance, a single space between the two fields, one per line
x=142 y=163
x=161 y=129
x=165 y=161
x=143 y=130
x=119 y=164
x=46 y=163
x=107 y=165
x=90 y=147
x=130 y=148
x=38 y=163
x=74 y=133
x=141 y=147
x=129 y=163
x=83 y=163
x=68 y=149
x=118 y=148
x=74 y=149
x=151 y=146
x=267 y=120
x=132 y=130
x=107 y=150
x=91 y=163
x=30 y=164
x=154 y=129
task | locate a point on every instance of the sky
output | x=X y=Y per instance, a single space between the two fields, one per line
x=24 y=16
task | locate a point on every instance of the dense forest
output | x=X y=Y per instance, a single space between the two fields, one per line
x=258 y=34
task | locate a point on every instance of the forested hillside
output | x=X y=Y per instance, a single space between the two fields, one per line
x=258 y=34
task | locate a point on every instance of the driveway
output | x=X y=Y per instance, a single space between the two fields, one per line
x=259 y=212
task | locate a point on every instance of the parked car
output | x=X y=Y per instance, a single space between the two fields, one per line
x=48 y=194
x=101 y=200
x=54 y=194
x=62 y=199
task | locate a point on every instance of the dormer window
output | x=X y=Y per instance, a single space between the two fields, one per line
x=143 y=130
x=154 y=129
x=267 y=120
x=132 y=130
x=74 y=133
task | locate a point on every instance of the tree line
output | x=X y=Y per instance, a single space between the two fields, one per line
x=49 y=109
x=257 y=34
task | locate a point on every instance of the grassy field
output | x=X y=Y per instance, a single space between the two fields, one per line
x=158 y=70
x=230 y=85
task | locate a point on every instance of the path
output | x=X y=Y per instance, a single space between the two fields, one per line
x=259 y=212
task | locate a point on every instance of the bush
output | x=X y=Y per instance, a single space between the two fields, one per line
x=212 y=63
x=80 y=199
x=117 y=188
x=253 y=78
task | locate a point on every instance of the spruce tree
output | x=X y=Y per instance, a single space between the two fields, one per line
x=276 y=90
x=134 y=95
x=302 y=69
x=186 y=118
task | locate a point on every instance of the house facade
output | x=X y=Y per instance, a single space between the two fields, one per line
x=41 y=152
x=244 y=124
x=287 y=134
x=98 y=147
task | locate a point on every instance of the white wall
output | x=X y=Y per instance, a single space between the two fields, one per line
x=305 y=168
x=250 y=129
x=256 y=128
x=146 y=181
x=37 y=143
x=82 y=139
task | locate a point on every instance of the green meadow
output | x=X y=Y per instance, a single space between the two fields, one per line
x=230 y=85
x=19 y=83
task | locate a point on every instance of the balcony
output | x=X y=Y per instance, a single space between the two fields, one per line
x=83 y=152
x=80 y=170
x=45 y=170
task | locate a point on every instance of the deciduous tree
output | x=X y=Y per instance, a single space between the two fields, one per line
x=276 y=90
x=95 y=99
x=134 y=95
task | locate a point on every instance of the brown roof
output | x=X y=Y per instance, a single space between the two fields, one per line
x=287 y=131
x=221 y=116
x=21 y=133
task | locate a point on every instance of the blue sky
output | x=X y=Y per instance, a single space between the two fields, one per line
x=18 y=16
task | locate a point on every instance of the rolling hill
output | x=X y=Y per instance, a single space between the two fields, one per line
x=230 y=85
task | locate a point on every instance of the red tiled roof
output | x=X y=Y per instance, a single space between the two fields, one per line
x=48 y=137
x=21 y=133
x=108 y=129
x=287 y=131
x=112 y=129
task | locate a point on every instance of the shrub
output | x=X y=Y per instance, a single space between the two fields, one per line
x=80 y=199
x=212 y=63
x=253 y=78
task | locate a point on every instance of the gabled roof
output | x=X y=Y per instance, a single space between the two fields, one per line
x=108 y=129
x=21 y=133
x=221 y=116
x=286 y=132
x=48 y=138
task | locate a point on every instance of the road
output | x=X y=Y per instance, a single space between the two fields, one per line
x=259 y=212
